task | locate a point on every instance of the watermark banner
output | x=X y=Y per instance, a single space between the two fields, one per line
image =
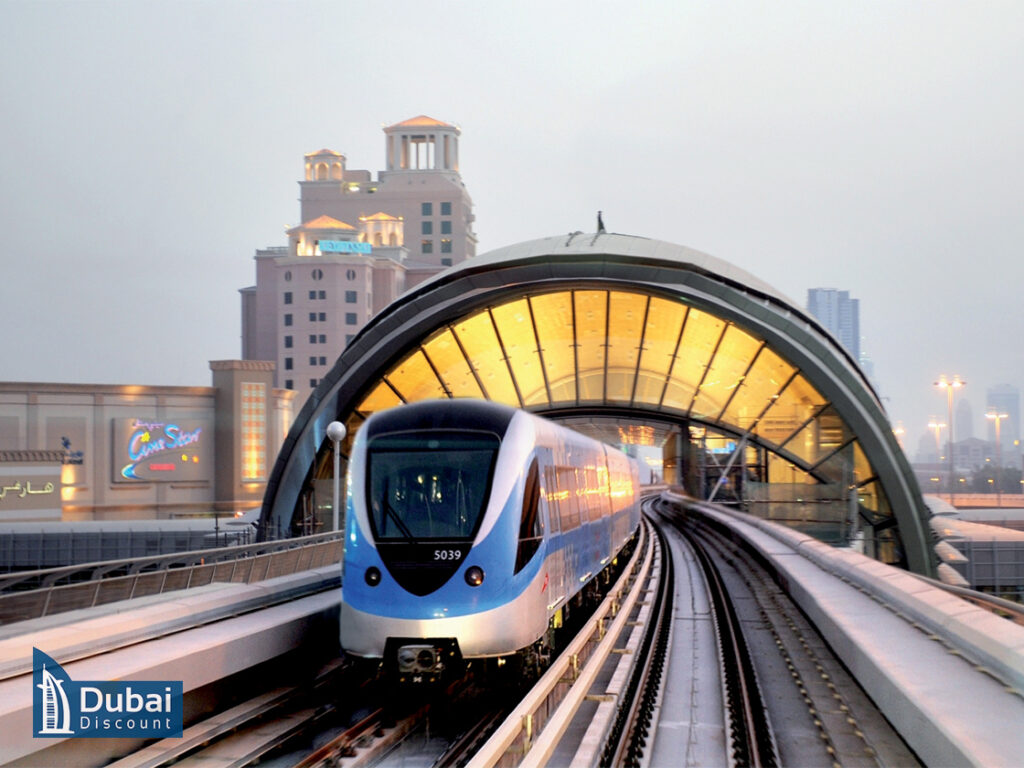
x=62 y=707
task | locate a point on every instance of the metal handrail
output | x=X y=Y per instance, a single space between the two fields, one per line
x=70 y=574
x=252 y=563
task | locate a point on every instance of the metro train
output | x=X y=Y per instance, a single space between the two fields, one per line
x=470 y=529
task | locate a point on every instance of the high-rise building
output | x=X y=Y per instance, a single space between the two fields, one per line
x=963 y=420
x=839 y=314
x=361 y=243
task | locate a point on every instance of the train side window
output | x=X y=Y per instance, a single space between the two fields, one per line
x=531 y=528
x=567 y=503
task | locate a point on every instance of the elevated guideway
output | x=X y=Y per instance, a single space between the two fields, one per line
x=948 y=675
x=222 y=640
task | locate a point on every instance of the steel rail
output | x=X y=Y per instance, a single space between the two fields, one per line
x=527 y=733
x=628 y=741
x=750 y=733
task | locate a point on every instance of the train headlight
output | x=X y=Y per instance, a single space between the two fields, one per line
x=372 y=576
x=474 y=576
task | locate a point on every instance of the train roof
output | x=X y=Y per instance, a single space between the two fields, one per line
x=453 y=414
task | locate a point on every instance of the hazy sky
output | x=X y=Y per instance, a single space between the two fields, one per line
x=148 y=148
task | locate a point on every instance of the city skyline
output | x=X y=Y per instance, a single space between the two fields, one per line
x=132 y=205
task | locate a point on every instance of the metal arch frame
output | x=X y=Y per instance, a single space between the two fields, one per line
x=797 y=337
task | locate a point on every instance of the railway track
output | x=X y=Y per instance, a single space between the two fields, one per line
x=821 y=716
x=602 y=699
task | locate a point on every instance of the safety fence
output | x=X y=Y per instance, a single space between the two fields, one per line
x=33 y=594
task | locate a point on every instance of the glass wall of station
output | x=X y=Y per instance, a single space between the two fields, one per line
x=798 y=462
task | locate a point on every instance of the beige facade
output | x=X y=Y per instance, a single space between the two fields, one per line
x=131 y=452
x=362 y=243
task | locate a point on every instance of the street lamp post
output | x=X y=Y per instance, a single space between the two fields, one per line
x=950 y=386
x=937 y=426
x=997 y=417
x=336 y=433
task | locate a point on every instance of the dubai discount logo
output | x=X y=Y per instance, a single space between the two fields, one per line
x=62 y=707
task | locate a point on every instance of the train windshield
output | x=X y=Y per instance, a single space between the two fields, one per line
x=429 y=485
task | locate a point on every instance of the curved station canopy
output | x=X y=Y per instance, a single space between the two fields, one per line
x=642 y=342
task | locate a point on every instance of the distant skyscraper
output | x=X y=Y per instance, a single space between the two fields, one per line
x=963 y=420
x=839 y=314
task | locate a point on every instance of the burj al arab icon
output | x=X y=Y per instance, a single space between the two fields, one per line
x=56 y=710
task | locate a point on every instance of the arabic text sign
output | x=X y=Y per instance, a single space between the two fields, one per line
x=30 y=491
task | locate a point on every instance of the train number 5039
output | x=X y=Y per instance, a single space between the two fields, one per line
x=447 y=554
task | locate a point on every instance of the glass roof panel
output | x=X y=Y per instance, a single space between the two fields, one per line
x=591 y=308
x=451 y=364
x=731 y=361
x=516 y=330
x=380 y=398
x=765 y=379
x=625 y=324
x=664 y=321
x=700 y=336
x=415 y=380
x=476 y=334
x=552 y=313
x=781 y=471
x=861 y=466
x=797 y=403
x=820 y=437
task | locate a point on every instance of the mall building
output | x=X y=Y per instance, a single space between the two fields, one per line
x=77 y=452
x=362 y=242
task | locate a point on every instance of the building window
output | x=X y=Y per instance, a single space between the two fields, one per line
x=312 y=338
x=288 y=276
x=289 y=384
x=427 y=209
x=427 y=246
x=350 y=274
x=288 y=319
x=287 y=297
x=446 y=262
x=321 y=294
x=312 y=317
x=446 y=209
x=287 y=363
x=351 y=297
x=287 y=342
x=312 y=360
x=323 y=361
x=350 y=318
x=312 y=294
x=254 y=428
x=446 y=245
x=312 y=382
x=446 y=227
x=323 y=338
x=322 y=317
x=427 y=227
x=318 y=274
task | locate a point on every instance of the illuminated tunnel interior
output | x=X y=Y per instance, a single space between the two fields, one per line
x=637 y=342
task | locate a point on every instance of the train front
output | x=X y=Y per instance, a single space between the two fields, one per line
x=435 y=496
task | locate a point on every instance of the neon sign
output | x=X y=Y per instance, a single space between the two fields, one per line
x=344 y=246
x=160 y=450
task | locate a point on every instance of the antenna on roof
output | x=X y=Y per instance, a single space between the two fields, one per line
x=600 y=224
